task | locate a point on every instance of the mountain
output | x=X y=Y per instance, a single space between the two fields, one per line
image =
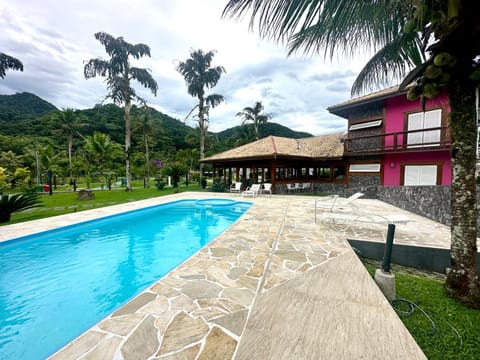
x=23 y=121
x=25 y=103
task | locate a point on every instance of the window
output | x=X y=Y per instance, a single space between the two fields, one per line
x=365 y=168
x=424 y=120
x=365 y=125
x=420 y=175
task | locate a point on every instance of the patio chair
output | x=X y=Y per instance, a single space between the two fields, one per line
x=236 y=187
x=290 y=188
x=267 y=189
x=299 y=187
x=253 y=190
x=334 y=203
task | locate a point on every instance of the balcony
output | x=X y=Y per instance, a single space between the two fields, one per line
x=431 y=139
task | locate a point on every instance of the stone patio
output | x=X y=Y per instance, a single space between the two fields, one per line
x=275 y=285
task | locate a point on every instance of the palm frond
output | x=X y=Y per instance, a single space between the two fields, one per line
x=144 y=77
x=214 y=100
x=389 y=63
x=9 y=62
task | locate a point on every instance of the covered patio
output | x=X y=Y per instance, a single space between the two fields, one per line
x=283 y=162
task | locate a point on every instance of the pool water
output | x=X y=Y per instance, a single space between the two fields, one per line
x=57 y=284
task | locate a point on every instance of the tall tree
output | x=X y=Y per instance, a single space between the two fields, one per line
x=101 y=149
x=143 y=123
x=256 y=115
x=119 y=73
x=68 y=123
x=200 y=75
x=433 y=44
x=8 y=62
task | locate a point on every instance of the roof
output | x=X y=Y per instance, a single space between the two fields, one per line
x=318 y=147
x=343 y=109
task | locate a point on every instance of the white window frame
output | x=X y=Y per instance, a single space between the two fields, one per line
x=365 y=125
x=373 y=168
x=424 y=120
x=420 y=175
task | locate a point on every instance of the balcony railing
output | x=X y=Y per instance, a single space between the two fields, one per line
x=402 y=141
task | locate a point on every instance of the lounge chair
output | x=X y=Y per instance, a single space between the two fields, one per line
x=341 y=221
x=335 y=203
x=290 y=188
x=253 y=190
x=236 y=187
x=267 y=189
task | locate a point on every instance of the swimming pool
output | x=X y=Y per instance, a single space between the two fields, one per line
x=57 y=284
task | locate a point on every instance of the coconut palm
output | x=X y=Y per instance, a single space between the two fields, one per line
x=8 y=62
x=143 y=123
x=256 y=115
x=437 y=43
x=199 y=76
x=101 y=150
x=68 y=122
x=119 y=73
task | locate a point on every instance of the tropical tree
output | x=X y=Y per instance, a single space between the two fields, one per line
x=256 y=115
x=175 y=170
x=68 y=123
x=10 y=203
x=8 y=62
x=200 y=75
x=143 y=123
x=119 y=73
x=101 y=150
x=430 y=45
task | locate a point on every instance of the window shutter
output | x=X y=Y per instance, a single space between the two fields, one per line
x=415 y=175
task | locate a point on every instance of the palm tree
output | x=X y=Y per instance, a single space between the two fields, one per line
x=143 y=123
x=437 y=43
x=119 y=73
x=199 y=76
x=8 y=62
x=101 y=149
x=68 y=124
x=255 y=115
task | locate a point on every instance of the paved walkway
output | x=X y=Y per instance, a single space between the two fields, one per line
x=273 y=286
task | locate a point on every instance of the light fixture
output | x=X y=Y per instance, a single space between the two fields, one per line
x=392 y=164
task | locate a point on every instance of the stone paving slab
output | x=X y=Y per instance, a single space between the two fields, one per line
x=274 y=285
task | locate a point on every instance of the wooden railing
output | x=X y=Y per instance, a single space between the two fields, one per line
x=402 y=141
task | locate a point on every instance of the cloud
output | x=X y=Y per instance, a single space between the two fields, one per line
x=53 y=40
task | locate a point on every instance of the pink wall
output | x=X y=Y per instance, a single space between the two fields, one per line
x=395 y=109
x=392 y=175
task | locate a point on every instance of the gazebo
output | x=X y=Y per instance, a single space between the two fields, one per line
x=283 y=161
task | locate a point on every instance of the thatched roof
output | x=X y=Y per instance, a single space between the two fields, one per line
x=318 y=147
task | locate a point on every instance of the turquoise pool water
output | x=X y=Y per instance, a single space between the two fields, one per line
x=57 y=284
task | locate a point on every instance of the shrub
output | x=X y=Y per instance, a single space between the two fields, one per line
x=15 y=202
x=218 y=185
x=203 y=182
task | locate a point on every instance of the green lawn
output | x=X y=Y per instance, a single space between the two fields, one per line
x=67 y=202
x=443 y=328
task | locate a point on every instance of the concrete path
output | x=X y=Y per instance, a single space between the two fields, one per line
x=273 y=286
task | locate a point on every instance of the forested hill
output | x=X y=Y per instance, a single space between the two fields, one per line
x=25 y=103
x=25 y=119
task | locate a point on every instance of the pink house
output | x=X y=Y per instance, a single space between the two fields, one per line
x=392 y=141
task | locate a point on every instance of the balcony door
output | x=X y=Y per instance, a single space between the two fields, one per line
x=418 y=125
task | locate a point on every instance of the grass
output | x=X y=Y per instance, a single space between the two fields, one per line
x=455 y=330
x=66 y=202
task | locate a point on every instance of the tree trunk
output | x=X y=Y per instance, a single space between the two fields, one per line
x=462 y=281
x=128 y=136
x=203 y=132
x=70 y=145
x=147 y=159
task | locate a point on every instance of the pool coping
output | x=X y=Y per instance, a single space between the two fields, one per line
x=274 y=285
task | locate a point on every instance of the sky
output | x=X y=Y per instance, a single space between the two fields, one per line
x=54 y=39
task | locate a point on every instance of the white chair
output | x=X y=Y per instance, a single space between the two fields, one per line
x=236 y=187
x=267 y=189
x=298 y=187
x=334 y=203
x=290 y=188
x=253 y=190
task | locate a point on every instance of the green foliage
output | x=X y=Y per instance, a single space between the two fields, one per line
x=218 y=185
x=175 y=170
x=439 y=341
x=10 y=203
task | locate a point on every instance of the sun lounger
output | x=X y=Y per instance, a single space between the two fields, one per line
x=342 y=221
x=267 y=189
x=252 y=191
x=335 y=203
x=236 y=187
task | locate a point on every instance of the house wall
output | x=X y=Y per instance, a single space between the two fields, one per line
x=395 y=109
x=392 y=170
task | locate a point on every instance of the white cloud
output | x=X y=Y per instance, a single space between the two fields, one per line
x=54 y=38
